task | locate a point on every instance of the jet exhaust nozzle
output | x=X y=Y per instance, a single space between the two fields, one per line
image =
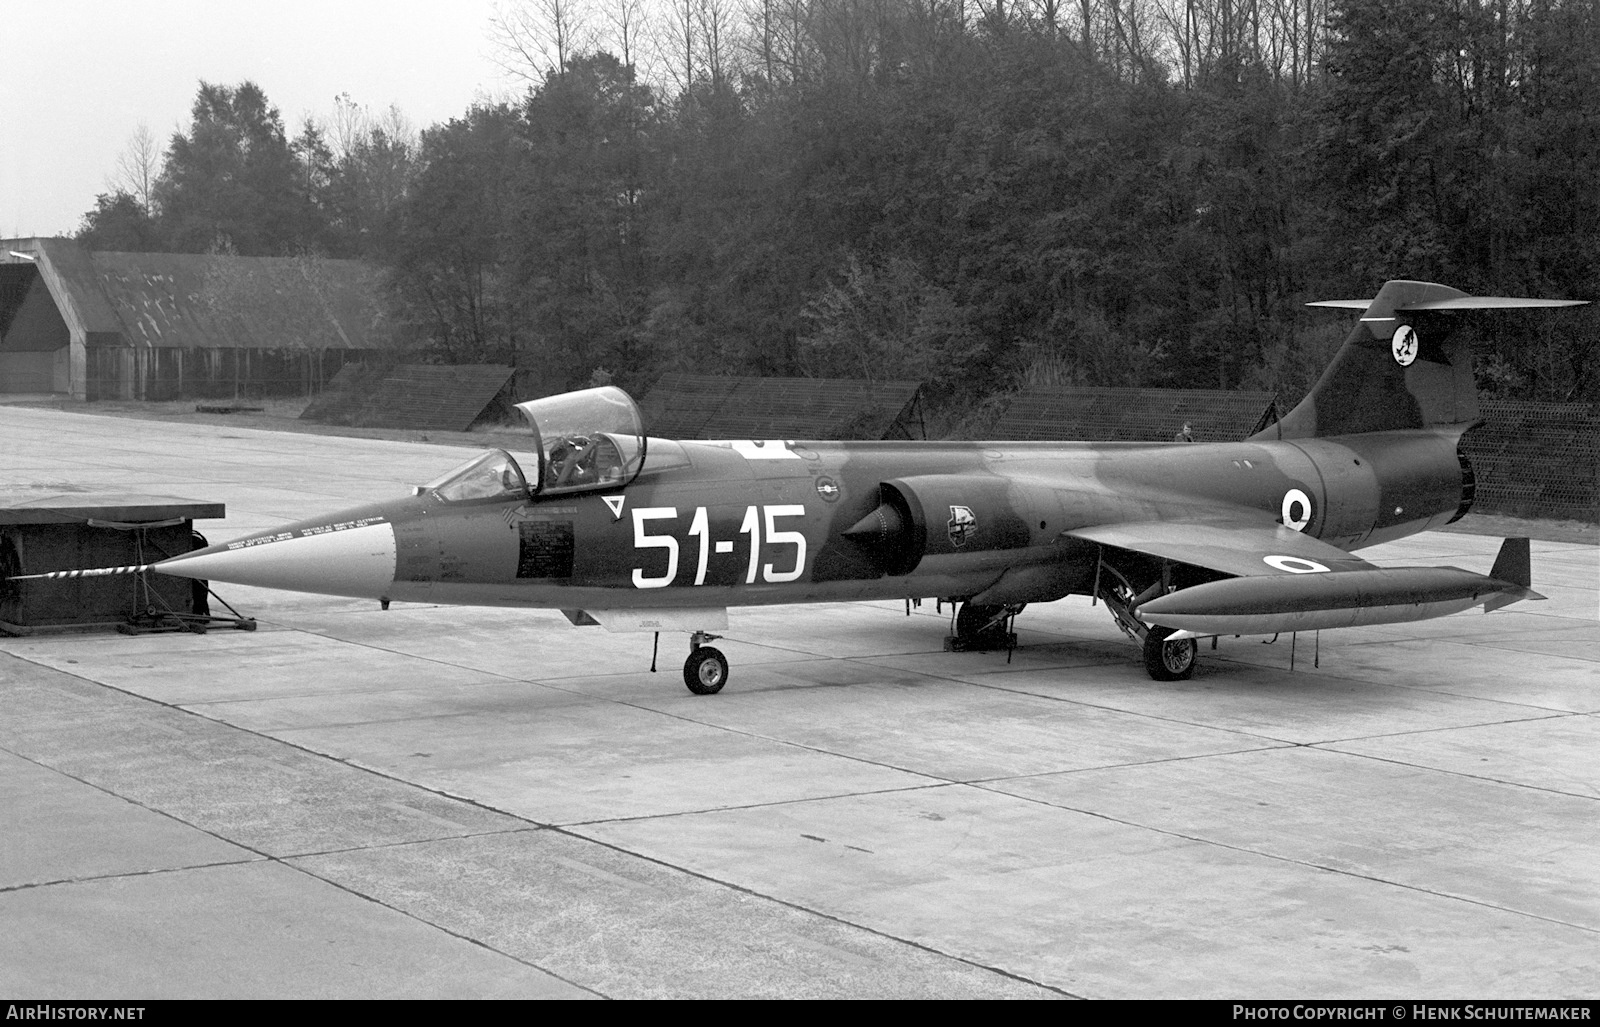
x=884 y=524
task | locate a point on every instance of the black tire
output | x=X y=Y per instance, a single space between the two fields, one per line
x=1169 y=661
x=973 y=623
x=705 y=671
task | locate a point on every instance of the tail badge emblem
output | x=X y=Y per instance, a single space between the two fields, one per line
x=1404 y=345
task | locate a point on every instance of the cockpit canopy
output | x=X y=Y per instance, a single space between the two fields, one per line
x=584 y=440
x=589 y=439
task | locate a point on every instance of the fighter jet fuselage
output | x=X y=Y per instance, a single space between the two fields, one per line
x=719 y=524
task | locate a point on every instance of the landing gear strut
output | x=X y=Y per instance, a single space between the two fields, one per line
x=706 y=669
x=1164 y=660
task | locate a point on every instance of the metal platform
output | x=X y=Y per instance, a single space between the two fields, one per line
x=45 y=529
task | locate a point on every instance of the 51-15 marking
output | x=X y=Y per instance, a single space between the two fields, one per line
x=759 y=522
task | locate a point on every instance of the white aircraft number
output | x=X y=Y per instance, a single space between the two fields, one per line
x=760 y=522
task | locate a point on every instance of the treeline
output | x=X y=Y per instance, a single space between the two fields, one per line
x=979 y=195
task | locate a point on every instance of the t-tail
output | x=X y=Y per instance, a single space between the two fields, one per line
x=1403 y=366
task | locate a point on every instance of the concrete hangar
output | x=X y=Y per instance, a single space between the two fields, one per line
x=86 y=325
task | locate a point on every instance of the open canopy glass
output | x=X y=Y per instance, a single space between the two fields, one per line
x=585 y=440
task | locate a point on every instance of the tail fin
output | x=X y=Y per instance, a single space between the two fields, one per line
x=1513 y=571
x=1514 y=563
x=1403 y=366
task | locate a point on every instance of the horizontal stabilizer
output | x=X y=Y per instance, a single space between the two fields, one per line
x=1457 y=303
x=1489 y=303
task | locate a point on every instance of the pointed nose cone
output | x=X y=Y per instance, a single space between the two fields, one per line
x=344 y=555
x=881 y=525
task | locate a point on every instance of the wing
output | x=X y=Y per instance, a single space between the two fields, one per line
x=1280 y=580
x=1241 y=550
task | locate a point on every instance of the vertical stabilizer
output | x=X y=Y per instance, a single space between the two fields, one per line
x=1400 y=367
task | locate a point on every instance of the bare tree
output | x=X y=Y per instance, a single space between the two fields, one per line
x=532 y=38
x=353 y=126
x=714 y=21
x=764 y=31
x=781 y=38
x=348 y=126
x=1281 y=37
x=846 y=35
x=138 y=166
x=677 y=42
x=995 y=15
x=627 y=21
x=1047 y=16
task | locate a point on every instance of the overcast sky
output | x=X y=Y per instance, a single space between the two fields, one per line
x=78 y=76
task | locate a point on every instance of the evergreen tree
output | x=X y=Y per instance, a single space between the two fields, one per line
x=233 y=178
x=120 y=223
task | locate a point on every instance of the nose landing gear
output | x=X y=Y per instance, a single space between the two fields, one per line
x=706 y=669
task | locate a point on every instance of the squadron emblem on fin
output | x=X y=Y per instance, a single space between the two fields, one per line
x=1404 y=345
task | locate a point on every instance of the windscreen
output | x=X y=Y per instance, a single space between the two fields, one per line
x=494 y=475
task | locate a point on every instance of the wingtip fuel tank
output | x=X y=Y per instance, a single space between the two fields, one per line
x=1338 y=599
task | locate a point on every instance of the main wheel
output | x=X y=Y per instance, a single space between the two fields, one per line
x=980 y=623
x=1169 y=661
x=705 y=671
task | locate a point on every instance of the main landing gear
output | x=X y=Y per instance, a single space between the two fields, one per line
x=706 y=669
x=1164 y=659
x=982 y=629
x=1169 y=661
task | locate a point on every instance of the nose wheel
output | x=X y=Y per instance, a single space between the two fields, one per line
x=706 y=669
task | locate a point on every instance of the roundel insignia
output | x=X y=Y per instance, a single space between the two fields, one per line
x=1404 y=345
x=1294 y=564
x=828 y=489
x=1296 y=510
